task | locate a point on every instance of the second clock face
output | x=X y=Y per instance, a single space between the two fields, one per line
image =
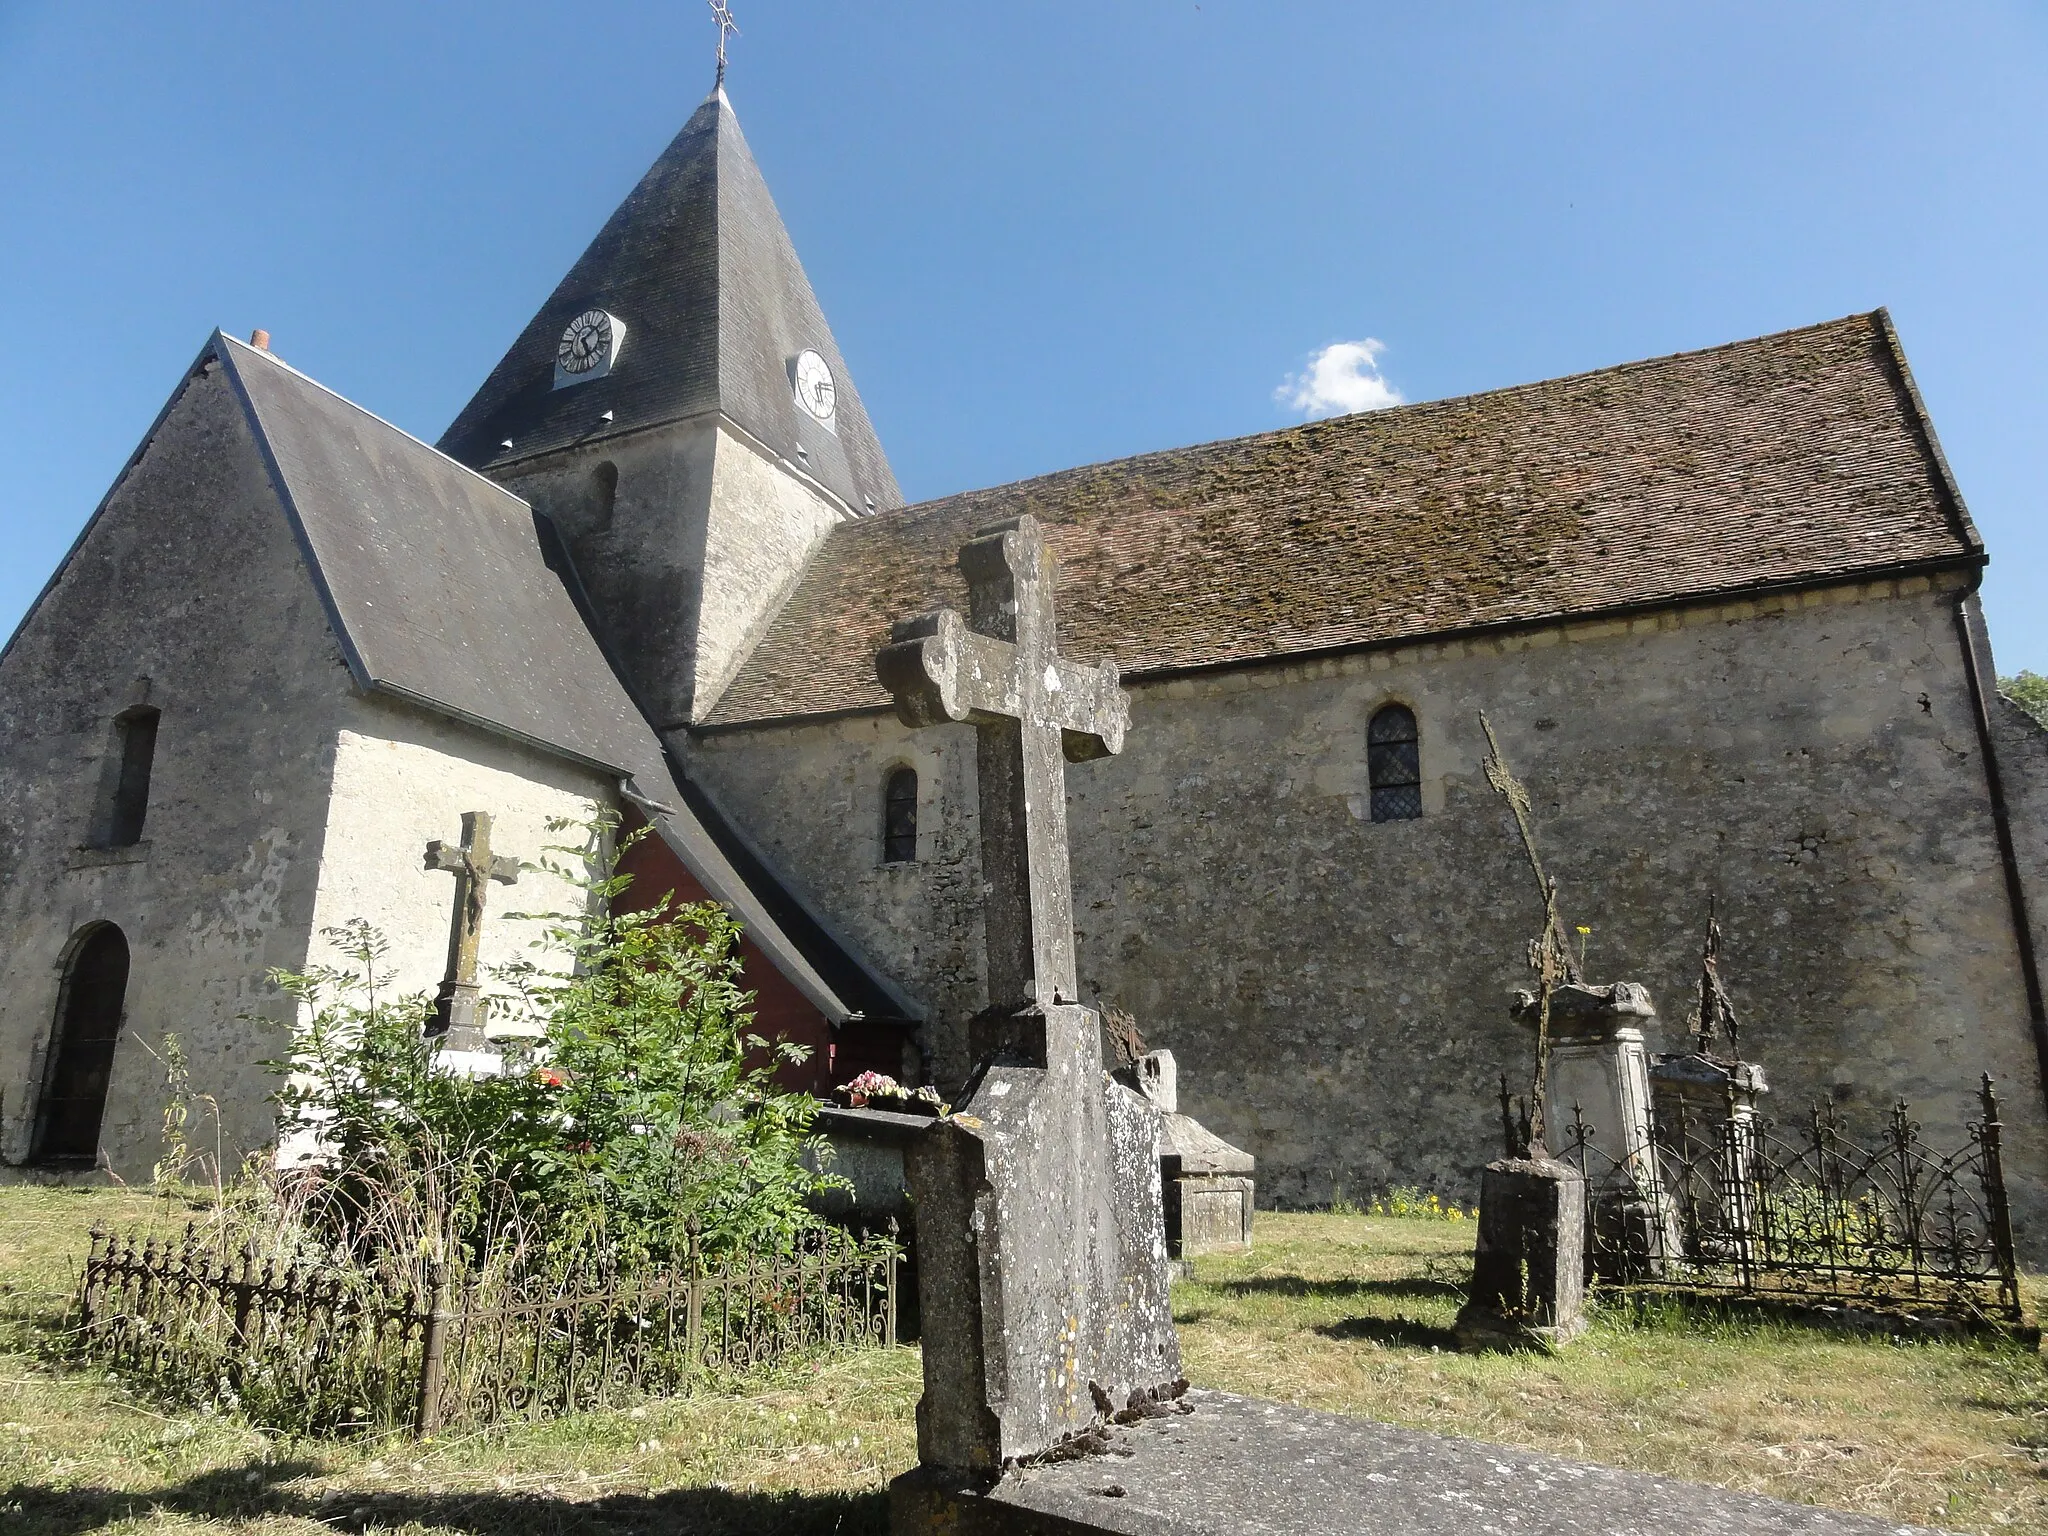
x=815 y=392
x=589 y=348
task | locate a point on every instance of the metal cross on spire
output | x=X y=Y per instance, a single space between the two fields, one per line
x=721 y=12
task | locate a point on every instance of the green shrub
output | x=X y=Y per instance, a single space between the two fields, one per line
x=644 y=1118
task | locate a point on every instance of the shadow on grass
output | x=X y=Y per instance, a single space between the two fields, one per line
x=1339 y=1290
x=1398 y=1332
x=28 y=1509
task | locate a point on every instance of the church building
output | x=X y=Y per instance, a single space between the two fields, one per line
x=302 y=669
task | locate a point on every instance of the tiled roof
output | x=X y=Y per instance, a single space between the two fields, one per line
x=1789 y=459
x=447 y=590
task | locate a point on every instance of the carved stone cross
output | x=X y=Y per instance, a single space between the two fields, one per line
x=474 y=867
x=1000 y=669
x=1042 y=1275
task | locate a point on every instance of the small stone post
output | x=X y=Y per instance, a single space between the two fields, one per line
x=1529 y=1267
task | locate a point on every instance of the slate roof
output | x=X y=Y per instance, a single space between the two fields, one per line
x=447 y=590
x=698 y=265
x=1790 y=459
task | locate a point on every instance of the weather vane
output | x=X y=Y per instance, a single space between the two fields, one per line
x=721 y=12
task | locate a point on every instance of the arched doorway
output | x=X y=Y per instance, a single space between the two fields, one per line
x=88 y=1027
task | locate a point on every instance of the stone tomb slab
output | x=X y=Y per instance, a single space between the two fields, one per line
x=1243 y=1467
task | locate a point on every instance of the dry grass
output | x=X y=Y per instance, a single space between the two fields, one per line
x=1345 y=1313
x=808 y=1450
x=1352 y=1314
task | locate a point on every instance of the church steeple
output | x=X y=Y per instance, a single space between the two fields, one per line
x=680 y=409
x=716 y=315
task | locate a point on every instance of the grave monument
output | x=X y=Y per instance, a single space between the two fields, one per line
x=1053 y=1401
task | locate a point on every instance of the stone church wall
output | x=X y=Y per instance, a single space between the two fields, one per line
x=1335 y=989
x=188 y=579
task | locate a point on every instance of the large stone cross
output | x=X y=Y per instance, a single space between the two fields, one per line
x=474 y=867
x=1031 y=708
x=1041 y=1254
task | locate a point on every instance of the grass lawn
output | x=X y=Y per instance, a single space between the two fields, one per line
x=1343 y=1313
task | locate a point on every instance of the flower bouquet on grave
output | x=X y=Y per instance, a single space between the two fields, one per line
x=877 y=1090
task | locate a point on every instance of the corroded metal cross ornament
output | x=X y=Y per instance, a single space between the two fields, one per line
x=1033 y=711
x=474 y=867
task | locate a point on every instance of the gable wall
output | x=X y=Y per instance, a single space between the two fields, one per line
x=1335 y=989
x=403 y=778
x=189 y=578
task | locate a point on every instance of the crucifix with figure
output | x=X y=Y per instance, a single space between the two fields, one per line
x=474 y=866
x=1041 y=1253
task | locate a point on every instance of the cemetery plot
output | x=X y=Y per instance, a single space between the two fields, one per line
x=299 y=1346
x=1810 y=1213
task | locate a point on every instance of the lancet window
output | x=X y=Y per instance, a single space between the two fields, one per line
x=899 y=816
x=1393 y=763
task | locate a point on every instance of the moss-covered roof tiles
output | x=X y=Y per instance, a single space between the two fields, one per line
x=1795 y=458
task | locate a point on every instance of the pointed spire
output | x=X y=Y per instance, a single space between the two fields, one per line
x=691 y=303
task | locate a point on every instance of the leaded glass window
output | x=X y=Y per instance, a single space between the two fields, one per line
x=899 y=817
x=1393 y=764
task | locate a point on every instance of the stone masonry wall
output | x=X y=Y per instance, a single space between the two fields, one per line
x=1335 y=989
x=240 y=660
x=698 y=541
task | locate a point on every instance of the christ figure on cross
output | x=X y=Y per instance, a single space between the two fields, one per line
x=474 y=866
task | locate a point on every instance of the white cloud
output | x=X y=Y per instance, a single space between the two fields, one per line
x=1342 y=378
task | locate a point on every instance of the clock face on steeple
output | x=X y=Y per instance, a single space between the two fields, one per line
x=816 y=395
x=589 y=347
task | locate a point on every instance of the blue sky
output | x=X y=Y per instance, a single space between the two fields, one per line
x=1044 y=234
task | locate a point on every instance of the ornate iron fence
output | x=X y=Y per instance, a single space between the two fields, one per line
x=1733 y=1204
x=310 y=1346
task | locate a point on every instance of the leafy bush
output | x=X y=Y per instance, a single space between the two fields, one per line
x=643 y=1120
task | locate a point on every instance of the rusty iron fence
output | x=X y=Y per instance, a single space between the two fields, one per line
x=1731 y=1203
x=313 y=1346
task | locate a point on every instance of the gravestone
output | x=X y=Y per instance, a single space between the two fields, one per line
x=1053 y=1401
x=1042 y=1274
x=1205 y=1182
x=1601 y=1120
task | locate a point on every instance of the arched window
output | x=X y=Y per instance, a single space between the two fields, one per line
x=128 y=796
x=88 y=1027
x=1393 y=764
x=899 y=816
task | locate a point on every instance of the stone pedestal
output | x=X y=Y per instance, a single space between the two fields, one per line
x=1042 y=1277
x=1598 y=1116
x=1529 y=1267
x=1707 y=1115
x=1206 y=1183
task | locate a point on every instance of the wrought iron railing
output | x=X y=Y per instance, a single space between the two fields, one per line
x=1731 y=1203
x=313 y=1346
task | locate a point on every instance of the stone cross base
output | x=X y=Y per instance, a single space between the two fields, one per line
x=1529 y=1266
x=1240 y=1465
x=1042 y=1276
